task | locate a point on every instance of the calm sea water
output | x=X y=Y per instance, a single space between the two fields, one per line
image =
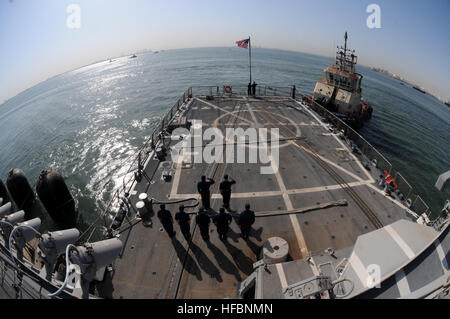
x=86 y=123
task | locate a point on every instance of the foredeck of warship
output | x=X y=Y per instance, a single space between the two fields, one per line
x=315 y=167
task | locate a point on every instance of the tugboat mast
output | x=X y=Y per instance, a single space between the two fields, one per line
x=344 y=61
x=345 y=45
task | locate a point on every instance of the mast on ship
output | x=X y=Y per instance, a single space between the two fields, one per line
x=346 y=58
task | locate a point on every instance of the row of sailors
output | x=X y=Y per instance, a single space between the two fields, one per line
x=222 y=221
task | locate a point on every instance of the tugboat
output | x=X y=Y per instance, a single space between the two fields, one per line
x=339 y=90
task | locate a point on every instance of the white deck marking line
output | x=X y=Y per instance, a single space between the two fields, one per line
x=321 y=157
x=375 y=188
x=252 y=114
x=330 y=162
x=176 y=180
x=402 y=283
x=226 y=112
x=358 y=268
x=150 y=156
x=324 y=188
x=190 y=153
x=441 y=255
x=287 y=201
x=400 y=242
x=281 y=275
x=284 y=124
x=280 y=193
x=325 y=160
x=312 y=264
x=339 y=141
x=284 y=192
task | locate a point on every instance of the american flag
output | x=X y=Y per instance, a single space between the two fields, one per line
x=243 y=43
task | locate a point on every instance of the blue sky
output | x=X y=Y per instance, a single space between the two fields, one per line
x=36 y=43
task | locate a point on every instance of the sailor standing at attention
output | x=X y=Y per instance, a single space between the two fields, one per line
x=222 y=221
x=225 y=190
x=203 y=188
x=183 y=220
x=254 y=88
x=166 y=220
x=246 y=220
x=203 y=220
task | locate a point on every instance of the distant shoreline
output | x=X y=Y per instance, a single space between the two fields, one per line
x=412 y=85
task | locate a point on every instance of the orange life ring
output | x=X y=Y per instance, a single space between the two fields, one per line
x=227 y=89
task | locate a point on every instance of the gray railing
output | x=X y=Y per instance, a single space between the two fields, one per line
x=145 y=151
x=140 y=157
x=23 y=283
x=405 y=190
x=261 y=90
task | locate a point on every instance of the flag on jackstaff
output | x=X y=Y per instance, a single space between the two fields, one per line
x=246 y=44
x=243 y=43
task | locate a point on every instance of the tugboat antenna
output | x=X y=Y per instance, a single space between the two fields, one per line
x=345 y=45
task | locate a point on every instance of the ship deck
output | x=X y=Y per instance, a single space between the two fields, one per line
x=315 y=167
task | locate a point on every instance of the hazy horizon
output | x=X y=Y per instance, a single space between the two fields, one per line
x=147 y=51
x=412 y=41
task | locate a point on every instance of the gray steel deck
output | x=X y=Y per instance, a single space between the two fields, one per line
x=315 y=167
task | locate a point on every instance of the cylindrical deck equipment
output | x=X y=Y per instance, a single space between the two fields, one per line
x=56 y=197
x=275 y=250
x=20 y=190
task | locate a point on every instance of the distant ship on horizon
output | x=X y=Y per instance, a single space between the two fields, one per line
x=419 y=89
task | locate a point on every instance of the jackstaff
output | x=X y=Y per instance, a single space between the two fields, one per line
x=246 y=44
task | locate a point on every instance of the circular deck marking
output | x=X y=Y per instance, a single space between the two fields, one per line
x=283 y=119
